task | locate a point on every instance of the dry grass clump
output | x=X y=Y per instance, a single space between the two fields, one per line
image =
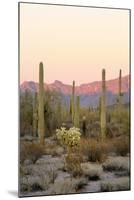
x=93 y=150
x=97 y=150
x=53 y=149
x=122 y=146
x=118 y=184
x=31 y=151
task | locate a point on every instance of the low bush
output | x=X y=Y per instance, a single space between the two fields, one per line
x=117 y=184
x=117 y=164
x=64 y=187
x=31 y=151
x=92 y=149
x=72 y=164
x=122 y=146
x=91 y=171
x=97 y=150
x=68 y=186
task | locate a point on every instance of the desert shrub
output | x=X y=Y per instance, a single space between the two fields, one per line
x=122 y=146
x=119 y=184
x=97 y=150
x=64 y=187
x=92 y=171
x=70 y=139
x=68 y=186
x=92 y=149
x=29 y=183
x=31 y=151
x=117 y=164
x=37 y=177
x=120 y=116
x=26 y=114
x=119 y=145
x=82 y=181
x=73 y=164
x=53 y=149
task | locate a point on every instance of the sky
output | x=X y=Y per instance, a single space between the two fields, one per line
x=74 y=43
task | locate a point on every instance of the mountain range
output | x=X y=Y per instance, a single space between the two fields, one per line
x=89 y=92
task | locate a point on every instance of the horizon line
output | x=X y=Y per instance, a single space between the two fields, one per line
x=20 y=83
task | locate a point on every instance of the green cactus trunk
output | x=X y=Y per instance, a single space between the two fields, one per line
x=120 y=96
x=41 y=126
x=120 y=92
x=84 y=126
x=77 y=112
x=35 y=115
x=99 y=106
x=59 y=114
x=70 y=106
x=73 y=108
x=103 y=106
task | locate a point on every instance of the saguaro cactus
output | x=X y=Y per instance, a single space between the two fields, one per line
x=120 y=96
x=41 y=126
x=77 y=111
x=120 y=83
x=70 y=106
x=73 y=108
x=35 y=115
x=84 y=127
x=99 y=106
x=103 y=106
x=59 y=114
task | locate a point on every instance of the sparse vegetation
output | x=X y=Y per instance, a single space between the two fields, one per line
x=58 y=158
x=93 y=172
x=115 y=185
x=93 y=150
x=117 y=164
x=31 y=151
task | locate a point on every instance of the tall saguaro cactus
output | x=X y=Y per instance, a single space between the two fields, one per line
x=120 y=83
x=99 y=106
x=103 y=106
x=41 y=127
x=73 y=108
x=35 y=115
x=70 y=106
x=120 y=95
x=77 y=112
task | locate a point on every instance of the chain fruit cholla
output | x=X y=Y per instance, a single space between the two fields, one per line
x=69 y=138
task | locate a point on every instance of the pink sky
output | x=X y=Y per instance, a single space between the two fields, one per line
x=74 y=43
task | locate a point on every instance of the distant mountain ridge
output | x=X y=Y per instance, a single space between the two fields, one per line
x=89 y=92
x=93 y=87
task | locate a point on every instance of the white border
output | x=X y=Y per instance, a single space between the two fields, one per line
x=9 y=98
